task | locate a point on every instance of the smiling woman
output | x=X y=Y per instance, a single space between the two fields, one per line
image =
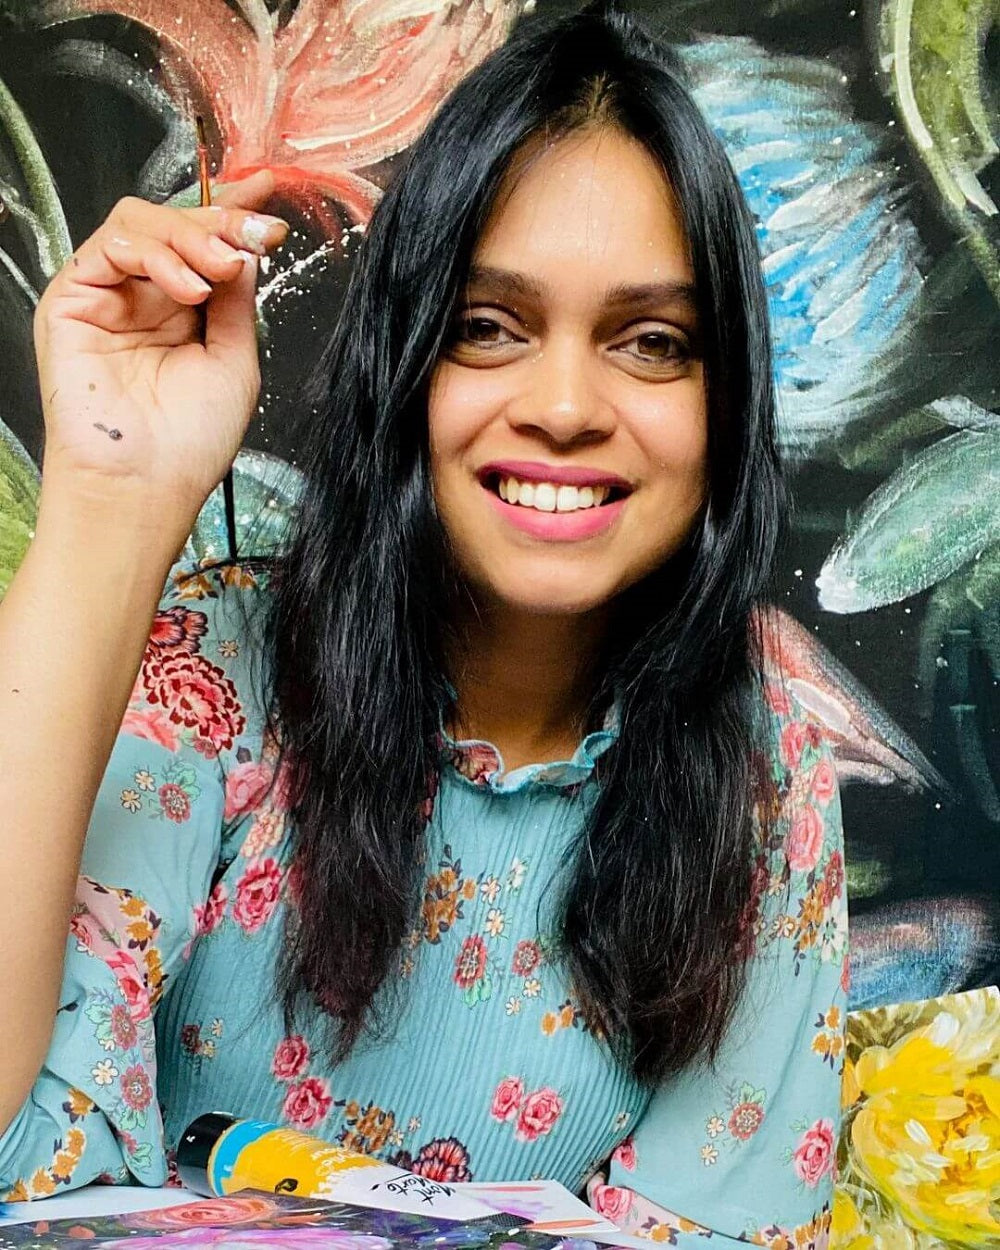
x=493 y=848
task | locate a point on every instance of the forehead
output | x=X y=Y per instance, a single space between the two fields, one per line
x=594 y=204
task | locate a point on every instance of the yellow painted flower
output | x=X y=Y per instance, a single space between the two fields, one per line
x=926 y=1133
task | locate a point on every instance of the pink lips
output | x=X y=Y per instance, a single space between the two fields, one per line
x=559 y=475
x=555 y=526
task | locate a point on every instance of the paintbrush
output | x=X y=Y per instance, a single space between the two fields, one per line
x=228 y=496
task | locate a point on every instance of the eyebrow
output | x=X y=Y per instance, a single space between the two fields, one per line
x=509 y=283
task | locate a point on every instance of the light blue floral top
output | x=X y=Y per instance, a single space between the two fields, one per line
x=490 y=1072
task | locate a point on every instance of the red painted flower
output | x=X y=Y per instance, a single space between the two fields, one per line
x=746 y=1119
x=443 y=1159
x=625 y=1155
x=470 y=963
x=196 y=694
x=307 y=1102
x=123 y=1029
x=507 y=1099
x=538 y=1115
x=527 y=957
x=178 y=629
x=137 y=1090
x=290 y=1057
x=318 y=95
x=174 y=803
x=805 y=839
x=813 y=1156
x=246 y=785
x=257 y=895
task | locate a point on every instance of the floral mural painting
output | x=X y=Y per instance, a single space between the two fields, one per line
x=865 y=137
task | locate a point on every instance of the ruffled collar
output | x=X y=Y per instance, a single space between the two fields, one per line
x=479 y=763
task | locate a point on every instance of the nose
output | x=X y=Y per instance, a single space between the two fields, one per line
x=562 y=400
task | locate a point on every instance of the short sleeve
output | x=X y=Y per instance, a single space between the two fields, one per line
x=747 y=1148
x=143 y=895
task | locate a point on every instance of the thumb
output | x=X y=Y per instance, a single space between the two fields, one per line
x=231 y=317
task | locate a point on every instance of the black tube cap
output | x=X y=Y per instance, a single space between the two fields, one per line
x=195 y=1148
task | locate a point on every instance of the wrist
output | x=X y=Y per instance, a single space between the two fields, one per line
x=126 y=517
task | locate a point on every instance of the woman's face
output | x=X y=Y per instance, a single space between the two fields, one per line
x=567 y=416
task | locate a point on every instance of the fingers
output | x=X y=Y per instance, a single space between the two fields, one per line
x=230 y=321
x=181 y=250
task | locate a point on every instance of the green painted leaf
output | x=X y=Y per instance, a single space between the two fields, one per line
x=929 y=519
x=19 y=481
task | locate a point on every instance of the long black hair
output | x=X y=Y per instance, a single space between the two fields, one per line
x=655 y=894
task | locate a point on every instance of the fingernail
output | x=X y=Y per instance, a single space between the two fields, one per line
x=260 y=231
x=197 y=284
x=220 y=248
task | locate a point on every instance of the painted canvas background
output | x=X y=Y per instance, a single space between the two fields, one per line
x=865 y=134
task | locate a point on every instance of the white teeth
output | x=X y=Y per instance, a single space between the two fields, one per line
x=548 y=497
x=545 y=497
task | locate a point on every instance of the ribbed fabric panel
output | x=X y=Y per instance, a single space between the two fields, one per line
x=480 y=1009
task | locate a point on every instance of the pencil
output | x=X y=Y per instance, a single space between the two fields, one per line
x=228 y=495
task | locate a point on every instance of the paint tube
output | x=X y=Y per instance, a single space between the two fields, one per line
x=218 y=1154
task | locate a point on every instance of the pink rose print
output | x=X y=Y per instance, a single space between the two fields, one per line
x=845 y=976
x=625 y=1155
x=137 y=1091
x=257 y=895
x=215 y=909
x=131 y=984
x=307 y=1102
x=805 y=841
x=612 y=1202
x=539 y=1112
x=824 y=782
x=746 y=1120
x=152 y=725
x=813 y=1156
x=507 y=1099
x=174 y=803
x=246 y=785
x=793 y=739
x=527 y=957
x=194 y=693
x=178 y=629
x=290 y=1057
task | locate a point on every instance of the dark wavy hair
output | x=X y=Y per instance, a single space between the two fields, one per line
x=654 y=895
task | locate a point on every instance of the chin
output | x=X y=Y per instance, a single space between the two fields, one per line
x=547 y=593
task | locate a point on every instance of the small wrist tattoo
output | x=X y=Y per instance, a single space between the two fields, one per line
x=115 y=434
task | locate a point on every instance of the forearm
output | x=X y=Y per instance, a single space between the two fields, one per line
x=73 y=626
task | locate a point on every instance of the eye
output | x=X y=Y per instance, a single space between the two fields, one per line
x=479 y=330
x=658 y=347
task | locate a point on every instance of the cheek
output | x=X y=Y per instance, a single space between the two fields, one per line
x=675 y=443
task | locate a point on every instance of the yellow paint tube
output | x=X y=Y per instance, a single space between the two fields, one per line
x=218 y=1154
